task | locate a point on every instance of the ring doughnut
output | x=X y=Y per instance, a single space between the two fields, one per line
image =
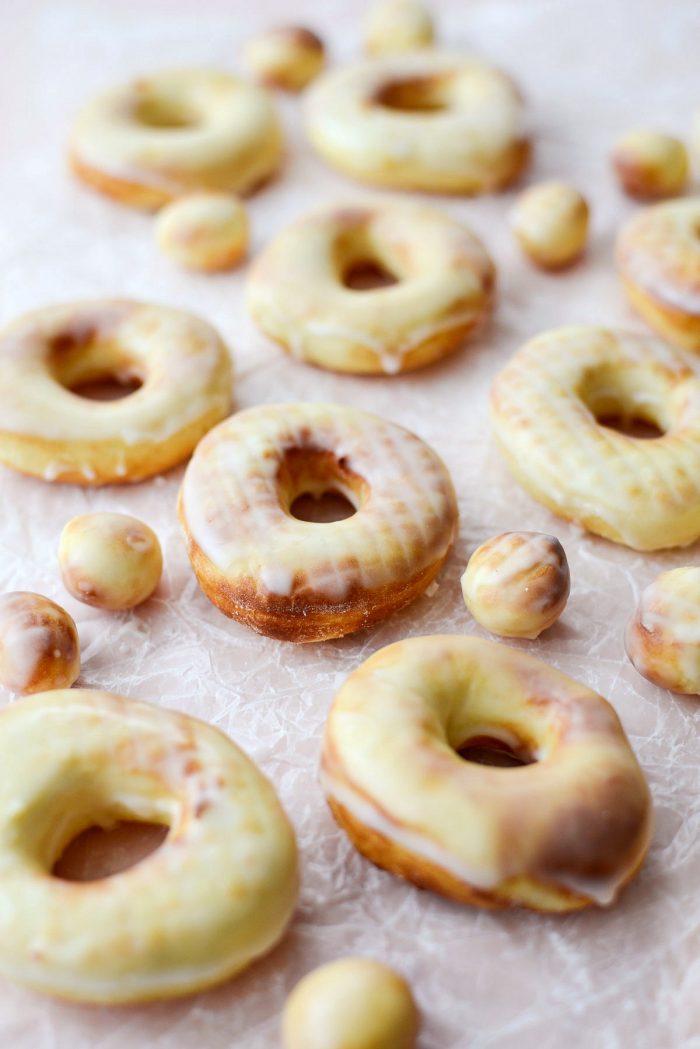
x=301 y=580
x=428 y=120
x=663 y=637
x=149 y=141
x=658 y=259
x=568 y=830
x=217 y=894
x=48 y=431
x=393 y=26
x=545 y=408
x=300 y=294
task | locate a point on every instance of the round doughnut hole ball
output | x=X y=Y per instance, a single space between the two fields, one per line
x=550 y=222
x=288 y=57
x=353 y=1003
x=204 y=231
x=517 y=584
x=39 y=647
x=394 y=26
x=650 y=165
x=109 y=560
x=663 y=638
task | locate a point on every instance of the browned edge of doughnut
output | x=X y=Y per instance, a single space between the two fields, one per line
x=674 y=324
x=424 y=874
x=305 y=619
x=147 y=198
x=30 y=455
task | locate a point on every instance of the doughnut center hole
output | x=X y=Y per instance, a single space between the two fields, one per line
x=100 y=852
x=164 y=114
x=92 y=367
x=632 y=402
x=367 y=275
x=418 y=94
x=317 y=486
x=487 y=750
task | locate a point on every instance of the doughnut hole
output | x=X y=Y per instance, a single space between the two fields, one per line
x=663 y=637
x=650 y=165
x=495 y=752
x=39 y=646
x=355 y=995
x=204 y=231
x=109 y=560
x=517 y=584
x=101 y=851
x=315 y=485
x=364 y=262
x=550 y=223
x=162 y=112
x=426 y=94
x=288 y=57
x=636 y=402
x=394 y=26
x=93 y=367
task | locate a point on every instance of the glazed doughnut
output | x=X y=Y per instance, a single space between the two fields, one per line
x=428 y=120
x=517 y=584
x=110 y=561
x=217 y=894
x=649 y=164
x=301 y=580
x=658 y=259
x=299 y=291
x=545 y=409
x=149 y=141
x=663 y=638
x=394 y=26
x=568 y=830
x=39 y=646
x=288 y=57
x=550 y=222
x=204 y=231
x=48 y=431
x=352 y=1003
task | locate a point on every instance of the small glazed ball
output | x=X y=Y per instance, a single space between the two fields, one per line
x=650 y=165
x=353 y=1003
x=108 y=560
x=517 y=584
x=39 y=647
x=394 y=26
x=663 y=638
x=204 y=231
x=550 y=222
x=288 y=57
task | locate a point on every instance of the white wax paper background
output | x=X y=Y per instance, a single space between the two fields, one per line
x=589 y=70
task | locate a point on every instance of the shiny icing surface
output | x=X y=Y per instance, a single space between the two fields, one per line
x=663 y=637
x=659 y=251
x=235 y=510
x=217 y=893
x=180 y=130
x=180 y=362
x=464 y=133
x=389 y=759
x=445 y=285
x=545 y=407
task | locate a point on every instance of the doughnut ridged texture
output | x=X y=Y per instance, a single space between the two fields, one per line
x=151 y=140
x=48 y=431
x=304 y=581
x=658 y=259
x=644 y=493
x=445 y=287
x=559 y=834
x=428 y=120
x=217 y=894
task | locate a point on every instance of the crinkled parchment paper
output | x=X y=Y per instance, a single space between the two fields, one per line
x=612 y=979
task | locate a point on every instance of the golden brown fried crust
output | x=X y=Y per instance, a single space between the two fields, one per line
x=147 y=197
x=302 y=618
